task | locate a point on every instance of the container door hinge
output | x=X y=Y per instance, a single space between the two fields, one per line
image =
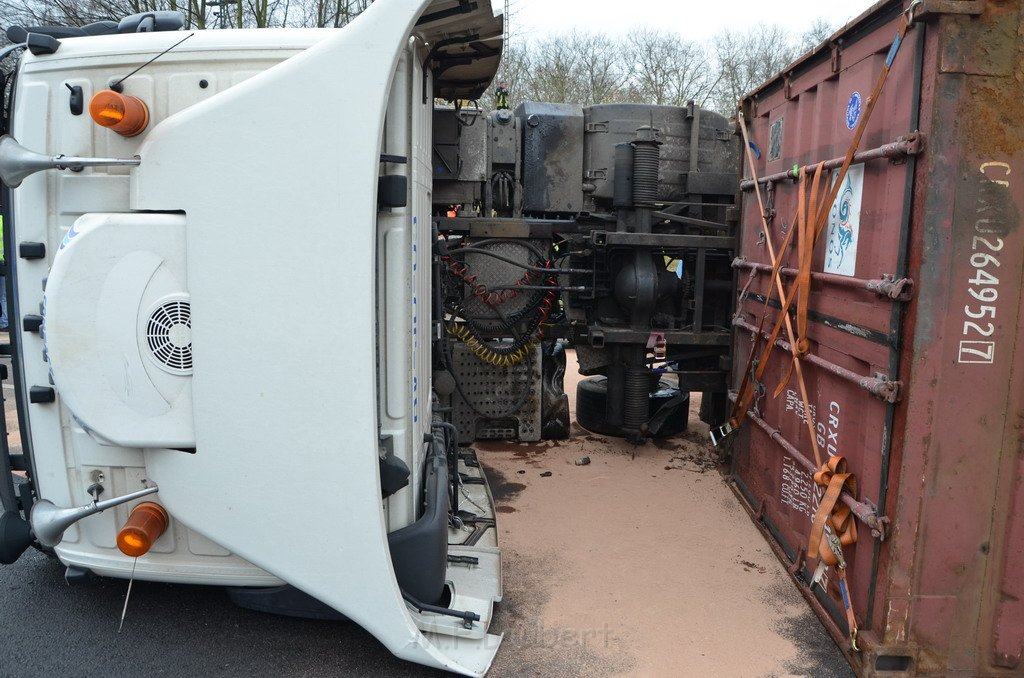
x=883 y=388
x=897 y=290
x=879 y=525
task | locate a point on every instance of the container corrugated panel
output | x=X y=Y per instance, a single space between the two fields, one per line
x=915 y=316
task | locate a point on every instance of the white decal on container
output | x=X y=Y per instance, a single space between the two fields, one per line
x=794 y=403
x=844 y=224
x=798 y=489
x=828 y=436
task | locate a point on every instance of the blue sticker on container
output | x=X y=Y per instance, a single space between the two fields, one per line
x=853 y=111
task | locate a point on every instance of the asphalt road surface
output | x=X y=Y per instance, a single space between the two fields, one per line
x=51 y=629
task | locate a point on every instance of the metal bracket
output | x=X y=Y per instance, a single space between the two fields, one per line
x=908 y=145
x=877 y=523
x=897 y=290
x=721 y=433
x=933 y=8
x=881 y=387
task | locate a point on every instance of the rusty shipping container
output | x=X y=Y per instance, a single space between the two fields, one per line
x=914 y=370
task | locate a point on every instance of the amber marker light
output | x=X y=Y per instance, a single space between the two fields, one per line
x=146 y=523
x=123 y=113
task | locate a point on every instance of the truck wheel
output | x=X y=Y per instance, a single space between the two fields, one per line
x=592 y=394
x=714 y=408
x=554 y=409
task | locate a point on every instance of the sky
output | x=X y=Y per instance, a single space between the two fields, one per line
x=698 y=21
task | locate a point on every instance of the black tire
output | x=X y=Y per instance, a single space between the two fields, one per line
x=714 y=408
x=554 y=409
x=592 y=393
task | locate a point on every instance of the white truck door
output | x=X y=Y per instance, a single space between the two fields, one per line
x=281 y=273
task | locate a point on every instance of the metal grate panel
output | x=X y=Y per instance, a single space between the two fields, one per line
x=494 y=391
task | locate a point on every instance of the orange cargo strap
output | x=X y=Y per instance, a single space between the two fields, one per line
x=835 y=527
x=805 y=256
x=834 y=476
x=776 y=266
x=817 y=221
x=746 y=392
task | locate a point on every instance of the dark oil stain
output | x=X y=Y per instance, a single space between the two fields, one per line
x=506 y=509
x=501 y=488
x=816 y=654
x=667 y=444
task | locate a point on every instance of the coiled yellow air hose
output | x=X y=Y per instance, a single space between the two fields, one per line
x=485 y=352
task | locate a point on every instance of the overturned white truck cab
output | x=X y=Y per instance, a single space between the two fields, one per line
x=221 y=320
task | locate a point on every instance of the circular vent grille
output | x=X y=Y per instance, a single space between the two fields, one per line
x=169 y=335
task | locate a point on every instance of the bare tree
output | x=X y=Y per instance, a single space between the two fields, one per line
x=584 y=68
x=599 y=67
x=745 y=60
x=818 y=32
x=554 y=73
x=514 y=71
x=81 y=12
x=199 y=14
x=648 y=66
x=667 y=70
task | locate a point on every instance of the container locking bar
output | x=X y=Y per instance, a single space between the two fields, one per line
x=897 y=290
x=881 y=388
x=904 y=147
x=865 y=512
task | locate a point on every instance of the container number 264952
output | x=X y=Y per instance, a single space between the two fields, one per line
x=983 y=286
x=978 y=344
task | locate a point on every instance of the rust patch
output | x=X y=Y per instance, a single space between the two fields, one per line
x=994 y=50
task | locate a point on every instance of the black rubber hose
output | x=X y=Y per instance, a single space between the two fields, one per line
x=465 y=615
x=525 y=267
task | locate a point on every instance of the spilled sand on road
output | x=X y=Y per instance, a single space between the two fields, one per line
x=641 y=563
